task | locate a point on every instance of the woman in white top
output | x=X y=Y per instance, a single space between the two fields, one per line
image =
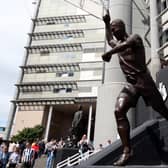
x=14 y=158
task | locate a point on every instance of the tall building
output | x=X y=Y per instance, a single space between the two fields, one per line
x=63 y=66
x=62 y=69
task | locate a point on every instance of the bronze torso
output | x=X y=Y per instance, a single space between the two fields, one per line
x=132 y=59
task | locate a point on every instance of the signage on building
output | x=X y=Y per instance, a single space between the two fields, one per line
x=162 y=84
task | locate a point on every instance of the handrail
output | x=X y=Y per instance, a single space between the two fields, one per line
x=66 y=160
x=75 y=159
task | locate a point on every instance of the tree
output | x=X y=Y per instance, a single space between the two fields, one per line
x=29 y=134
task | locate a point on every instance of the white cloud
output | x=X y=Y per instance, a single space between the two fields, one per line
x=15 y=21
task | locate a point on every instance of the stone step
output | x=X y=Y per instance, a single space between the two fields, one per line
x=40 y=162
x=130 y=166
x=150 y=147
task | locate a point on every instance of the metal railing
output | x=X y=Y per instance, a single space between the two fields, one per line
x=75 y=159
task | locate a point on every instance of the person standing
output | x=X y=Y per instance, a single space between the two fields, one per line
x=14 y=158
x=4 y=157
x=51 y=154
x=28 y=156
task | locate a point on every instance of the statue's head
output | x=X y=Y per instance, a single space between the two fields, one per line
x=80 y=107
x=118 y=29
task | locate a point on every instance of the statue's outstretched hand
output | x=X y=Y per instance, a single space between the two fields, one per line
x=106 y=17
x=106 y=57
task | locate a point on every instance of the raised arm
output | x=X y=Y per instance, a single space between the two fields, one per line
x=109 y=34
x=118 y=48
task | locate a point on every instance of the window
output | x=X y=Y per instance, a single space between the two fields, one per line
x=70 y=74
x=62 y=90
x=58 y=74
x=164 y=4
x=44 y=52
x=56 y=90
x=2 y=129
x=50 y=23
x=41 y=70
x=68 y=89
x=164 y=37
x=64 y=74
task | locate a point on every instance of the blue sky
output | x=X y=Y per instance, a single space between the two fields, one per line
x=15 y=23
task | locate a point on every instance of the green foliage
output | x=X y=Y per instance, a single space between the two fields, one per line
x=29 y=134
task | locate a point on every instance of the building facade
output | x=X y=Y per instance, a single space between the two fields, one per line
x=62 y=69
x=63 y=66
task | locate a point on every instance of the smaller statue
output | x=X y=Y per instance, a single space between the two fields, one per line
x=79 y=125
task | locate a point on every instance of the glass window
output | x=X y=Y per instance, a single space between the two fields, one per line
x=164 y=4
x=69 y=90
x=62 y=90
x=2 y=128
x=58 y=74
x=164 y=37
x=56 y=90
x=70 y=74
x=44 y=52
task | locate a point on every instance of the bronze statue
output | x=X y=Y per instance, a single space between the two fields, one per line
x=131 y=55
x=79 y=125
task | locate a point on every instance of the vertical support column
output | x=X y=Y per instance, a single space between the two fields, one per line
x=48 y=123
x=89 y=123
x=155 y=60
x=114 y=81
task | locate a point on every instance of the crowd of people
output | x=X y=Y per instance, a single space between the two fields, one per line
x=21 y=154
x=24 y=154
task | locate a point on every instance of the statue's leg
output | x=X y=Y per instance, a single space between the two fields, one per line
x=123 y=126
x=158 y=104
x=125 y=100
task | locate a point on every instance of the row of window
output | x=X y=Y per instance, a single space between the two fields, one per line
x=60 y=20
x=46 y=87
x=58 y=35
x=55 y=90
x=31 y=108
x=64 y=68
x=46 y=49
x=38 y=89
x=39 y=104
x=44 y=102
